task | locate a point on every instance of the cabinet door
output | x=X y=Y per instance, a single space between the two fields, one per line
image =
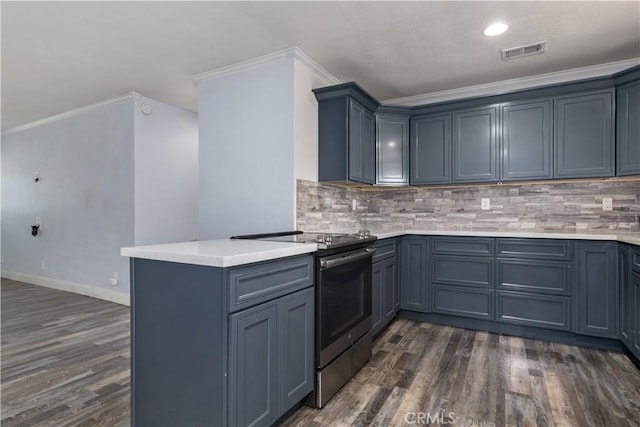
x=584 y=136
x=634 y=315
x=253 y=366
x=628 y=129
x=392 y=149
x=389 y=290
x=296 y=357
x=431 y=150
x=361 y=144
x=475 y=145
x=376 y=296
x=597 y=289
x=413 y=276
x=626 y=312
x=526 y=140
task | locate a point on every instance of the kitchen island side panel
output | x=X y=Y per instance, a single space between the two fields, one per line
x=178 y=332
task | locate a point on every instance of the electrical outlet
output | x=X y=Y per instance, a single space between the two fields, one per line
x=42 y=264
x=354 y=204
x=114 y=279
x=485 y=204
x=607 y=204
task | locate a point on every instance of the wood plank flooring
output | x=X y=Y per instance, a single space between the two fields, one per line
x=65 y=359
x=65 y=362
x=427 y=374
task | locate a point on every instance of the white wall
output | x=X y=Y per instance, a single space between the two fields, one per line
x=166 y=174
x=305 y=123
x=85 y=199
x=246 y=151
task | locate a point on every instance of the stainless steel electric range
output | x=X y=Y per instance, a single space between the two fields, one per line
x=342 y=305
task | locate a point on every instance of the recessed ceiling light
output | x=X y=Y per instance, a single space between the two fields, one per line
x=495 y=29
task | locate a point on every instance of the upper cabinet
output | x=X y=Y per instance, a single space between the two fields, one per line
x=628 y=128
x=582 y=129
x=430 y=149
x=526 y=140
x=475 y=145
x=392 y=146
x=584 y=135
x=361 y=143
x=346 y=134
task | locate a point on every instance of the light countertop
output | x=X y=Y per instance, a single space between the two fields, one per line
x=229 y=253
x=219 y=253
x=614 y=235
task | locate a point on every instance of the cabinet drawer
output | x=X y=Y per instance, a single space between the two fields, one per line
x=463 y=245
x=635 y=259
x=463 y=271
x=257 y=283
x=547 y=277
x=384 y=249
x=535 y=248
x=462 y=301
x=534 y=310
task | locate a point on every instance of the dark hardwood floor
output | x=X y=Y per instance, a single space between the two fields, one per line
x=65 y=359
x=65 y=362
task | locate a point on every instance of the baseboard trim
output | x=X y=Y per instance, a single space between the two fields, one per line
x=64 y=285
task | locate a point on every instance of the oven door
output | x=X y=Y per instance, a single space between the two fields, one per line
x=343 y=301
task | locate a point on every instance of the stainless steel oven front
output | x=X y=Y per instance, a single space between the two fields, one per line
x=343 y=319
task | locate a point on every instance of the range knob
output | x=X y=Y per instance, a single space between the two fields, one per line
x=324 y=239
x=363 y=234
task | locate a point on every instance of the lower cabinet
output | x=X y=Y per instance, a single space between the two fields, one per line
x=385 y=295
x=546 y=311
x=596 y=294
x=463 y=301
x=414 y=255
x=634 y=332
x=626 y=294
x=270 y=358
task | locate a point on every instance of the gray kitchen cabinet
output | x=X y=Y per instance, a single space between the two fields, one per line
x=462 y=301
x=584 y=135
x=362 y=153
x=634 y=333
x=253 y=366
x=414 y=255
x=385 y=284
x=296 y=325
x=628 y=129
x=526 y=141
x=346 y=134
x=475 y=145
x=596 y=296
x=220 y=346
x=392 y=148
x=546 y=311
x=430 y=149
x=626 y=294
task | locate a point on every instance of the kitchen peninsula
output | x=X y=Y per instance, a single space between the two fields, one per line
x=210 y=319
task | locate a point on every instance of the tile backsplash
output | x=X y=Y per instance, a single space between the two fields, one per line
x=553 y=205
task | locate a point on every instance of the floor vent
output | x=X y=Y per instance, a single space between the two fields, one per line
x=520 y=51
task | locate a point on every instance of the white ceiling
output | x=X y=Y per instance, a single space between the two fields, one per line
x=58 y=56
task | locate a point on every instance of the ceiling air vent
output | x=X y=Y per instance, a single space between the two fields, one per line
x=520 y=51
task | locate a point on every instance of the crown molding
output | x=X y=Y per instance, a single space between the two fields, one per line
x=505 y=86
x=130 y=95
x=290 y=52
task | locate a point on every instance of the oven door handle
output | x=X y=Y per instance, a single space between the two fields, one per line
x=331 y=263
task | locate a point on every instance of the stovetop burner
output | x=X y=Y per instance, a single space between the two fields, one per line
x=323 y=240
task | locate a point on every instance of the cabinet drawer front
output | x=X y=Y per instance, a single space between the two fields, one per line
x=635 y=259
x=384 y=249
x=535 y=248
x=534 y=310
x=462 y=301
x=463 y=245
x=252 y=285
x=463 y=271
x=545 y=277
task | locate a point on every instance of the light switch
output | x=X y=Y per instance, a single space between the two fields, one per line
x=486 y=204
